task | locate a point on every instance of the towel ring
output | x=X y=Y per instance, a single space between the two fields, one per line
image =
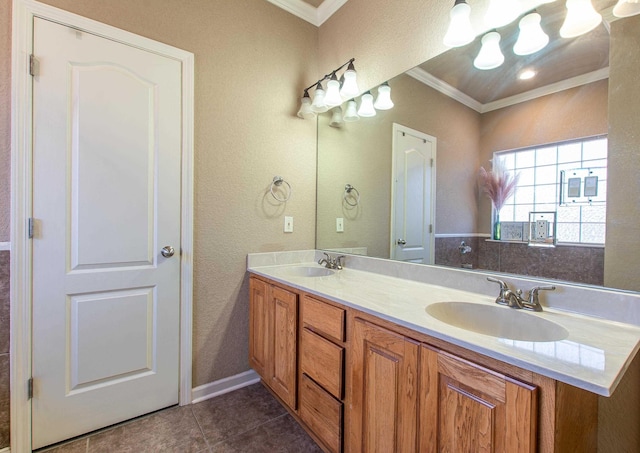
x=277 y=182
x=348 y=194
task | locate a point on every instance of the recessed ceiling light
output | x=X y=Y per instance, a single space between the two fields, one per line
x=527 y=74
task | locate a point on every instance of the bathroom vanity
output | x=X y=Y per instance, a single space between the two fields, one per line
x=356 y=357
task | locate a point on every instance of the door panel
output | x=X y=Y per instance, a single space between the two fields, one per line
x=106 y=198
x=412 y=235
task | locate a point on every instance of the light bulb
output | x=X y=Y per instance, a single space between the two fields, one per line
x=336 y=118
x=305 y=111
x=460 y=31
x=351 y=114
x=501 y=13
x=531 y=38
x=318 y=104
x=350 y=86
x=383 y=101
x=581 y=18
x=626 y=8
x=527 y=74
x=490 y=55
x=332 y=97
x=366 y=109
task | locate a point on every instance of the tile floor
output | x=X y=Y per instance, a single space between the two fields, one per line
x=246 y=420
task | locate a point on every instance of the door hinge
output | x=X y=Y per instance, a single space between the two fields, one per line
x=30 y=388
x=432 y=162
x=30 y=227
x=431 y=228
x=33 y=65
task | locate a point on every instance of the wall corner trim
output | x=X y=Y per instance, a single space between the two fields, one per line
x=222 y=386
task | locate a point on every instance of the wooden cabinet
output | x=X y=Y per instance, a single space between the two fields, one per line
x=273 y=338
x=468 y=408
x=322 y=362
x=383 y=391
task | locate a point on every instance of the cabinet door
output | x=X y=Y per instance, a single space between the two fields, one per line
x=467 y=408
x=285 y=328
x=260 y=346
x=383 y=391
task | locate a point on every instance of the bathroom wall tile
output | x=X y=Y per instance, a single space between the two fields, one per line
x=4 y=301
x=173 y=429
x=447 y=251
x=281 y=435
x=4 y=400
x=236 y=412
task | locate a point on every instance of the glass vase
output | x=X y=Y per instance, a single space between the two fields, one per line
x=496 y=227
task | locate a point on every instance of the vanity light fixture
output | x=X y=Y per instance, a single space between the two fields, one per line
x=337 y=119
x=531 y=38
x=305 y=111
x=349 y=85
x=322 y=100
x=490 y=55
x=318 y=104
x=383 y=101
x=351 y=114
x=501 y=13
x=581 y=18
x=366 y=109
x=626 y=8
x=332 y=97
x=460 y=32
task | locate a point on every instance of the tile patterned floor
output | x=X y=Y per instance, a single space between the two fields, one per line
x=247 y=420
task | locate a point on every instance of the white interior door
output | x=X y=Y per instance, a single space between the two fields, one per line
x=413 y=200
x=106 y=200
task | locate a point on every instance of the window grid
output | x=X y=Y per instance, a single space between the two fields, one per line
x=539 y=187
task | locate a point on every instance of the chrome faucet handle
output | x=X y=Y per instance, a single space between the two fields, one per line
x=506 y=295
x=340 y=262
x=533 y=302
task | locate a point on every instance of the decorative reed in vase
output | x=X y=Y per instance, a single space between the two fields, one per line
x=498 y=184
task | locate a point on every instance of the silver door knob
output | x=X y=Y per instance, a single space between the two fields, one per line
x=167 y=251
x=401 y=242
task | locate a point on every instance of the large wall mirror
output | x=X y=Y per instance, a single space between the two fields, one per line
x=377 y=170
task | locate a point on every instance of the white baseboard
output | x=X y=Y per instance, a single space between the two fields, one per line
x=222 y=386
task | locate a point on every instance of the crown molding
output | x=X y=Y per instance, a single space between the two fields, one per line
x=444 y=88
x=316 y=16
x=448 y=90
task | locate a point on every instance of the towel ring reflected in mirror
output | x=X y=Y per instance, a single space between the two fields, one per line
x=278 y=182
x=351 y=195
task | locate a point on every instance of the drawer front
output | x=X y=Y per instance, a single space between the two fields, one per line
x=322 y=413
x=324 y=318
x=323 y=361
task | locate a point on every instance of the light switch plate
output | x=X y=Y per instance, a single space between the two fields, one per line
x=339 y=225
x=288 y=224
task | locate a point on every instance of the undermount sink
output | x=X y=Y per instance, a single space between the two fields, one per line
x=310 y=271
x=496 y=321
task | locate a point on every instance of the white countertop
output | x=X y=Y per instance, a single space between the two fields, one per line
x=593 y=357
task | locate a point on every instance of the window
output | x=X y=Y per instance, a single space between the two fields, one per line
x=539 y=187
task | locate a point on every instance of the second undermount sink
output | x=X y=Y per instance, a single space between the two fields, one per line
x=310 y=271
x=496 y=321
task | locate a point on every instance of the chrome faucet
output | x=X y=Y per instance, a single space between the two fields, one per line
x=331 y=262
x=514 y=299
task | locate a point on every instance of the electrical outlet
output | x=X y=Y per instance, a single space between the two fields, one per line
x=339 y=225
x=542 y=229
x=288 y=224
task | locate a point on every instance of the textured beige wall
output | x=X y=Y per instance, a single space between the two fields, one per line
x=251 y=59
x=623 y=203
x=553 y=118
x=5 y=118
x=360 y=154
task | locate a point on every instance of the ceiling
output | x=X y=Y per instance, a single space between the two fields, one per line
x=315 y=12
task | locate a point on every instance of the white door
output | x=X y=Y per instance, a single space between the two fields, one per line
x=413 y=200
x=106 y=200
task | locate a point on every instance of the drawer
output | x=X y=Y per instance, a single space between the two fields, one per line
x=321 y=413
x=323 y=318
x=323 y=361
